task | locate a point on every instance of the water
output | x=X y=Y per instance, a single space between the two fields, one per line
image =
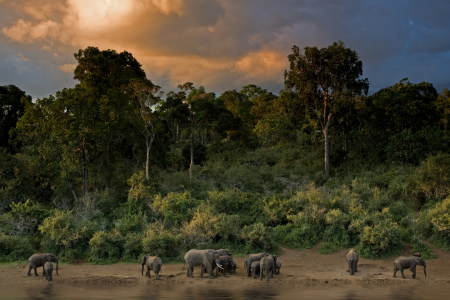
x=57 y=291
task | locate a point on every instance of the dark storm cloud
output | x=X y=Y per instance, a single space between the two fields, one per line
x=222 y=44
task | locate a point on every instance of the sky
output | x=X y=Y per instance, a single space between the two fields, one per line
x=222 y=44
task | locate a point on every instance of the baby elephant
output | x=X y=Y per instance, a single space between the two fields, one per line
x=48 y=270
x=352 y=260
x=233 y=266
x=153 y=263
x=402 y=263
x=278 y=267
x=255 y=268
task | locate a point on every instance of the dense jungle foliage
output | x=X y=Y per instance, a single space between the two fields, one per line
x=112 y=169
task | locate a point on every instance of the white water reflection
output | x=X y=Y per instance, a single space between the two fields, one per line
x=58 y=291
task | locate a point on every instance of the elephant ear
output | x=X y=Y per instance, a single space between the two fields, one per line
x=47 y=257
x=143 y=260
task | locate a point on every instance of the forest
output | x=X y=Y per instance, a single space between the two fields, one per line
x=115 y=167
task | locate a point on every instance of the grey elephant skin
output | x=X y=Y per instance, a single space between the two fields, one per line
x=352 y=260
x=267 y=264
x=38 y=260
x=233 y=266
x=153 y=263
x=48 y=269
x=403 y=262
x=251 y=258
x=197 y=258
x=223 y=252
x=255 y=268
x=278 y=267
x=226 y=262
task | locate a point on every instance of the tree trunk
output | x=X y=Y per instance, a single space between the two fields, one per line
x=192 y=155
x=327 y=150
x=85 y=180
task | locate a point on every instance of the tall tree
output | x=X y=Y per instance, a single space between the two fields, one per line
x=12 y=106
x=324 y=78
x=175 y=114
x=443 y=106
x=145 y=118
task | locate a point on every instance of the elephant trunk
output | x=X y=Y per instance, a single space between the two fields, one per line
x=425 y=270
x=57 y=265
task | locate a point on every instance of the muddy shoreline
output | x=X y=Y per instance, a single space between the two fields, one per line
x=299 y=268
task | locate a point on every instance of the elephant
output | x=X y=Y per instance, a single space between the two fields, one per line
x=403 y=262
x=153 y=263
x=226 y=262
x=278 y=267
x=268 y=264
x=223 y=252
x=48 y=269
x=197 y=258
x=352 y=260
x=416 y=254
x=255 y=268
x=39 y=259
x=233 y=266
x=251 y=258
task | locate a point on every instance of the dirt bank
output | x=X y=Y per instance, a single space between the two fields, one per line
x=298 y=268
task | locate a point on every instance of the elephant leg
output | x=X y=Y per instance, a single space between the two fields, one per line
x=210 y=271
x=356 y=265
x=191 y=272
x=35 y=272
x=43 y=271
x=29 y=271
x=248 y=270
x=413 y=270
x=148 y=272
x=350 y=267
x=202 y=270
x=403 y=275
x=395 y=270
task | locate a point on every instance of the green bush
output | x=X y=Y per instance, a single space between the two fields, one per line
x=132 y=247
x=258 y=238
x=379 y=235
x=15 y=247
x=432 y=177
x=175 y=208
x=439 y=217
x=105 y=247
x=131 y=222
x=162 y=242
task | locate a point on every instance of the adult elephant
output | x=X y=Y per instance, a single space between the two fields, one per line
x=251 y=258
x=352 y=260
x=38 y=260
x=268 y=264
x=223 y=252
x=403 y=262
x=153 y=263
x=197 y=258
x=226 y=262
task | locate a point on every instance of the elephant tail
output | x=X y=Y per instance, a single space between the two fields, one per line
x=26 y=264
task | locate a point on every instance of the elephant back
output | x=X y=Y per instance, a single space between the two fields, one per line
x=352 y=255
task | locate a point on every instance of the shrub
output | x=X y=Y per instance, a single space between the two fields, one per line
x=15 y=247
x=132 y=247
x=131 y=222
x=175 y=208
x=162 y=242
x=258 y=238
x=379 y=234
x=105 y=247
x=439 y=216
x=432 y=177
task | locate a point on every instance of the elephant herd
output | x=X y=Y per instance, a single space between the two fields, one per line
x=209 y=259
x=401 y=263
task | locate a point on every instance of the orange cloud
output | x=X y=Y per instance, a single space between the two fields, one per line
x=67 y=68
x=21 y=57
x=263 y=65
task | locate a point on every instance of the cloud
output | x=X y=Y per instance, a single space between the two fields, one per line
x=21 y=57
x=264 y=65
x=67 y=68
